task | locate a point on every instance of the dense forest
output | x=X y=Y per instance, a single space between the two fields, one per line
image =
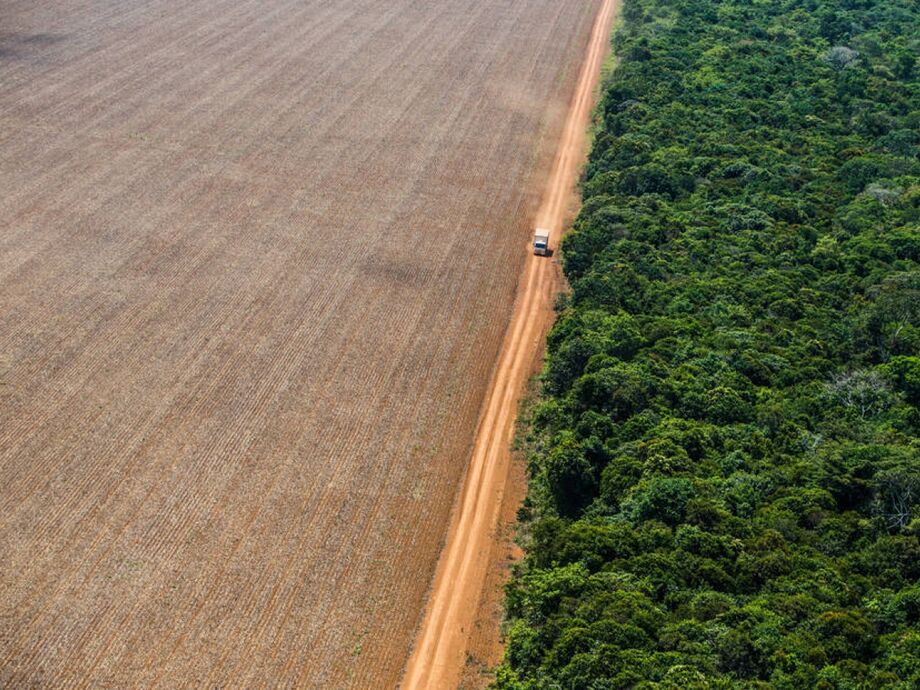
x=725 y=453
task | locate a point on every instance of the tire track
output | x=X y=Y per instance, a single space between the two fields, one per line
x=439 y=655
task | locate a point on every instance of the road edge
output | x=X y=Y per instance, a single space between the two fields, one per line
x=438 y=655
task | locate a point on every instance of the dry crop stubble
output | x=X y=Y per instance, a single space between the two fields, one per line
x=256 y=262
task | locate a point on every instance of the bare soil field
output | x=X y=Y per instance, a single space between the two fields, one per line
x=257 y=258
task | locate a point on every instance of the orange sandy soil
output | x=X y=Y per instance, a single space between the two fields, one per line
x=464 y=598
x=257 y=258
x=485 y=644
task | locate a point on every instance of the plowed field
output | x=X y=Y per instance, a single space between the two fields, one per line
x=257 y=258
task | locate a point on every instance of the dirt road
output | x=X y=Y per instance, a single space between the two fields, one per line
x=257 y=258
x=439 y=654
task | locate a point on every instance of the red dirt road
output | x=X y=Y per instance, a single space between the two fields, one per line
x=257 y=258
x=439 y=654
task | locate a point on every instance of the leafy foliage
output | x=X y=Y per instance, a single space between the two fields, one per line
x=725 y=462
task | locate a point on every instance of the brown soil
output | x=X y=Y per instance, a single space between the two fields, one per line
x=463 y=593
x=257 y=258
x=485 y=645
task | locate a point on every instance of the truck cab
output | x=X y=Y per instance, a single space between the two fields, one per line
x=541 y=242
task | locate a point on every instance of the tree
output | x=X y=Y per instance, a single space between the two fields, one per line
x=725 y=459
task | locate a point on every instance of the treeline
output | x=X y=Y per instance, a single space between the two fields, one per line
x=725 y=464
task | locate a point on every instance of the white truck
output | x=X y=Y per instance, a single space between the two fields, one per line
x=541 y=242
